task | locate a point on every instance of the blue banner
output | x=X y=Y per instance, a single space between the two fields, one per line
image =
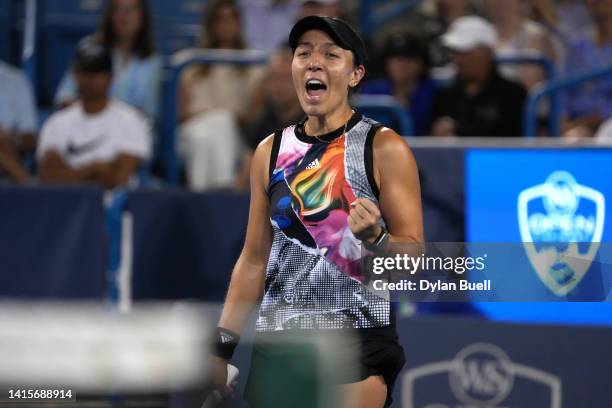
x=53 y=243
x=557 y=203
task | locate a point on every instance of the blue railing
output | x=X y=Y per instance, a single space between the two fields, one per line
x=114 y=213
x=178 y=62
x=28 y=53
x=552 y=87
x=388 y=104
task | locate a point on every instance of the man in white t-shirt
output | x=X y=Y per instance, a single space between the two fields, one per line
x=96 y=140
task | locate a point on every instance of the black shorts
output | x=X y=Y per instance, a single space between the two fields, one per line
x=285 y=375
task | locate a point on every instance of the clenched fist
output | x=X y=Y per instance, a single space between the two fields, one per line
x=364 y=220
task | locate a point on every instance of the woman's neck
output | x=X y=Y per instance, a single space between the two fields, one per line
x=124 y=46
x=403 y=90
x=320 y=125
x=94 y=106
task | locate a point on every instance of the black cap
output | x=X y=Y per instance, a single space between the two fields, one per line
x=91 y=56
x=339 y=30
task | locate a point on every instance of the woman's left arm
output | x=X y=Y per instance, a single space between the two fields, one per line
x=397 y=178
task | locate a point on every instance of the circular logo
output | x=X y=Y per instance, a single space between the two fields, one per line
x=481 y=374
x=561 y=197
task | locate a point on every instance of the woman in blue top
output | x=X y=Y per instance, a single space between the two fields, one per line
x=126 y=30
x=407 y=79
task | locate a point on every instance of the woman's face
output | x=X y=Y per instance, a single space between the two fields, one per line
x=322 y=73
x=127 y=19
x=226 y=27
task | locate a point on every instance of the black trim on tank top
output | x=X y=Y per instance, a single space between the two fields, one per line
x=327 y=137
x=368 y=155
x=276 y=140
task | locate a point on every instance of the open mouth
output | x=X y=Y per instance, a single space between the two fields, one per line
x=315 y=87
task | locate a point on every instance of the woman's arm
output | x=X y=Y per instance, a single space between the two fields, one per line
x=182 y=109
x=247 y=282
x=397 y=178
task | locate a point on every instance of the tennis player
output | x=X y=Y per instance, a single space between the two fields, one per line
x=320 y=191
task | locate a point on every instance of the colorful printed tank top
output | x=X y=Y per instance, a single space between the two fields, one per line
x=313 y=277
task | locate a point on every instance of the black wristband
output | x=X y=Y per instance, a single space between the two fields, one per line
x=380 y=242
x=225 y=342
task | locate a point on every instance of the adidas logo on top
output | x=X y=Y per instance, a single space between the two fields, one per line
x=313 y=164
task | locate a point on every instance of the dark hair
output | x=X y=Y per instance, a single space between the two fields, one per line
x=407 y=45
x=207 y=34
x=208 y=38
x=143 y=45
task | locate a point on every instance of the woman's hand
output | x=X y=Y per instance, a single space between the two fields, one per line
x=364 y=220
x=219 y=374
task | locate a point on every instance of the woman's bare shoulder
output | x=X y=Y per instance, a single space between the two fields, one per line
x=261 y=159
x=389 y=144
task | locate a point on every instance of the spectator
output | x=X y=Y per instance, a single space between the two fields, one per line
x=125 y=28
x=445 y=13
x=17 y=122
x=588 y=105
x=481 y=102
x=96 y=139
x=407 y=79
x=212 y=102
x=267 y=22
x=516 y=34
x=279 y=108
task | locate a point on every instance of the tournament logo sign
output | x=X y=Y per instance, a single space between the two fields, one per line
x=480 y=375
x=561 y=224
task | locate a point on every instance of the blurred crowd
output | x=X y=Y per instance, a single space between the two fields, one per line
x=444 y=62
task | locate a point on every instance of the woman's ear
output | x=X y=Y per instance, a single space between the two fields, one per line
x=357 y=76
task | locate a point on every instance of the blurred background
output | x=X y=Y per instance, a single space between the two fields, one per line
x=147 y=199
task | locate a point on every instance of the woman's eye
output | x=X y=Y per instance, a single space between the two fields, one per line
x=332 y=55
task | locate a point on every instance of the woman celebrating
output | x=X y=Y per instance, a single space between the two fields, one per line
x=320 y=190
